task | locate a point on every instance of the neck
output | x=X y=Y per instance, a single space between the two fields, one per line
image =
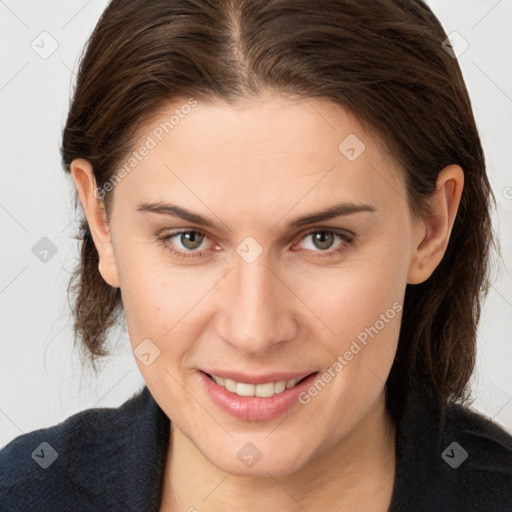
x=358 y=474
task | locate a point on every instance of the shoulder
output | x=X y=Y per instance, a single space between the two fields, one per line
x=477 y=460
x=452 y=459
x=482 y=449
x=486 y=438
x=57 y=464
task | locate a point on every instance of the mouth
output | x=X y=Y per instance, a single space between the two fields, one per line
x=260 y=401
x=262 y=390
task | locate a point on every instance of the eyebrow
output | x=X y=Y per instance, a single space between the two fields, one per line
x=330 y=212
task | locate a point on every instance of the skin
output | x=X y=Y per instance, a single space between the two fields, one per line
x=253 y=167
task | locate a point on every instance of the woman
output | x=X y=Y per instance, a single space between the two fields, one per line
x=288 y=202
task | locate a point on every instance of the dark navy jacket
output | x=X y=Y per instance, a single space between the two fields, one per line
x=112 y=459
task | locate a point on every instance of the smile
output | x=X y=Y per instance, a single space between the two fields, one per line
x=264 y=390
x=263 y=400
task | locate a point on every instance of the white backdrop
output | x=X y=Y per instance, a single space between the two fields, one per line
x=41 y=379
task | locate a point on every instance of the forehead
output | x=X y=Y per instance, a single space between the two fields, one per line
x=274 y=148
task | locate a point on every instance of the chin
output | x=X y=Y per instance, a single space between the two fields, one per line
x=251 y=461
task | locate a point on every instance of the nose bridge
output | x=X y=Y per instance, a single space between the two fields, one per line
x=258 y=317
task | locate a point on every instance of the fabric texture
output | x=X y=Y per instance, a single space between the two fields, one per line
x=112 y=459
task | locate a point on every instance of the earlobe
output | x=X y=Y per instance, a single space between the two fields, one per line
x=94 y=209
x=433 y=232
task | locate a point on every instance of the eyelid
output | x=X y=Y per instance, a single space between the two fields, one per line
x=329 y=229
x=179 y=231
x=346 y=237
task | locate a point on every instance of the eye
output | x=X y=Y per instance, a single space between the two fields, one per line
x=324 y=240
x=190 y=240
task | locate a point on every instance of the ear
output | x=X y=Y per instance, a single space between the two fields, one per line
x=432 y=234
x=94 y=208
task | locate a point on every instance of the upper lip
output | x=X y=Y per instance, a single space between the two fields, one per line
x=258 y=379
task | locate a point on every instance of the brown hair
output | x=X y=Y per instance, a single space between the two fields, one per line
x=383 y=60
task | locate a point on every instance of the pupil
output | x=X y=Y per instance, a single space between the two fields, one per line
x=321 y=236
x=189 y=239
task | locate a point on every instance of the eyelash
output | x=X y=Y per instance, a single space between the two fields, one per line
x=197 y=254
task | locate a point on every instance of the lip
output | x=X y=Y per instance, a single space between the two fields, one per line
x=255 y=408
x=257 y=379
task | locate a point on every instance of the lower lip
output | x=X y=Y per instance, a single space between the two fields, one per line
x=255 y=408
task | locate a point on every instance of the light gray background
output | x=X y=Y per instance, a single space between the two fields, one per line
x=41 y=379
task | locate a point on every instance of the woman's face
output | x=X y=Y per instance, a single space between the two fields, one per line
x=256 y=290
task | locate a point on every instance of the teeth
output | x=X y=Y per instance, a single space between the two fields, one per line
x=265 y=390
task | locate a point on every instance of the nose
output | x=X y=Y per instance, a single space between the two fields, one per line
x=258 y=312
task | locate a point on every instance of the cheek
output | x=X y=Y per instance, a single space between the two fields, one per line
x=160 y=300
x=350 y=298
x=359 y=309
